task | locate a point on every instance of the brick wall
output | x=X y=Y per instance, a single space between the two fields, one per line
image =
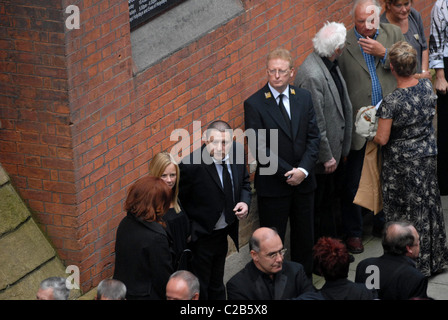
x=78 y=126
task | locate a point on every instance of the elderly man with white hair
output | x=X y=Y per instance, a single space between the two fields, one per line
x=320 y=74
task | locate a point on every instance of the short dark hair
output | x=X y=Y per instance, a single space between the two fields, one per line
x=395 y=241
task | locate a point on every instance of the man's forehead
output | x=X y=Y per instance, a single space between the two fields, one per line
x=215 y=134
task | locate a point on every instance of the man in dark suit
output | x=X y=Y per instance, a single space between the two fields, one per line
x=268 y=276
x=394 y=274
x=285 y=184
x=213 y=212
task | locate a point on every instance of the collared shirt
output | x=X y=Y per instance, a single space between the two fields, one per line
x=285 y=93
x=221 y=223
x=377 y=91
x=438 y=46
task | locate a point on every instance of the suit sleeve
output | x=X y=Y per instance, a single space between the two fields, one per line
x=246 y=190
x=309 y=158
x=160 y=260
x=233 y=291
x=314 y=86
x=184 y=183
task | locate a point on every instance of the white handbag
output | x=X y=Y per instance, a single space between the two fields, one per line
x=365 y=122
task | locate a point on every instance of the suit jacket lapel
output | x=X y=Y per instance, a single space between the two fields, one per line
x=273 y=109
x=354 y=49
x=333 y=89
x=294 y=105
x=280 y=285
x=211 y=168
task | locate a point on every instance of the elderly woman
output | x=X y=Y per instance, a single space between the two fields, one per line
x=165 y=167
x=401 y=14
x=143 y=259
x=409 y=178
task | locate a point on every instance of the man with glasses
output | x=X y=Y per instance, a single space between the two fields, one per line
x=268 y=276
x=285 y=112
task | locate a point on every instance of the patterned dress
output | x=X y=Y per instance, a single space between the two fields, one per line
x=409 y=171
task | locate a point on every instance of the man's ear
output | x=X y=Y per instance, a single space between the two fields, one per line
x=254 y=255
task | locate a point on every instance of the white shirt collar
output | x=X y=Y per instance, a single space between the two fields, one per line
x=276 y=93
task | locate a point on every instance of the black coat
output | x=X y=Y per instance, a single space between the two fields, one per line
x=344 y=289
x=399 y=279
x=249 y=283
x=202 y=195
x=299 y=148
x=143 y=258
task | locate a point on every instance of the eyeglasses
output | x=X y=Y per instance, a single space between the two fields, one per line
x=279 y=71
x=273 y=255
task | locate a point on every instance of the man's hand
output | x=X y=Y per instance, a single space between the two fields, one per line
x=440 y=83
x=372 y=47
x=241 y=210
x=295 y=177
x=330 y=166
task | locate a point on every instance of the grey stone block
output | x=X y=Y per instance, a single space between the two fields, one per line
x=21 y=252
x=12 y=209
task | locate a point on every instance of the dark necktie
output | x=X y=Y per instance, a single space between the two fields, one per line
x=284 y=112
x=228 y=191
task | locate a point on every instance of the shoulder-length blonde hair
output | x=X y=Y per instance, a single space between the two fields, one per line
x=158 y=165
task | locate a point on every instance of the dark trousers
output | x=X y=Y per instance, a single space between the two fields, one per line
x=209 y=257
x=326 y=205
x=299 y=208
x=352 y=214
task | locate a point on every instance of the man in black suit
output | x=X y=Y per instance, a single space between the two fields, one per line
x=285 y=184
x=213 y=212
x=394 y=274
x=268 y=276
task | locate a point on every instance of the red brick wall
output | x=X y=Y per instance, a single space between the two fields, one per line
x=35 y=135
x=78 y=126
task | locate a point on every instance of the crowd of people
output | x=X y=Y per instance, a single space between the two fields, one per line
x=172 y=244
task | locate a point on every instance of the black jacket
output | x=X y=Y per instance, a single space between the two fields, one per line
x=399 y=279
x=202 y=195
x=250 y=283
x=143 y=258
x=296 y=148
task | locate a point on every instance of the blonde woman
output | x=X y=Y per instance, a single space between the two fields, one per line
x=165 y=167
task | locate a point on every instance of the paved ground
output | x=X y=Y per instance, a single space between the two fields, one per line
x=437 y=287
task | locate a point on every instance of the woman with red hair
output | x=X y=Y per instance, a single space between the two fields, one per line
x=332 y=260
x=143 y=256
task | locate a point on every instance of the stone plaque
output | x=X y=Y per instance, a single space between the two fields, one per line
x=141 y=11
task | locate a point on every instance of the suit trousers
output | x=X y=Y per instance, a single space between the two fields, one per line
x=326 y=205
x=299 y=208
x=209 y=257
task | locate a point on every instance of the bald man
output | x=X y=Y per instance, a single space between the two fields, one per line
x=268 y=276
x=182 y=285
